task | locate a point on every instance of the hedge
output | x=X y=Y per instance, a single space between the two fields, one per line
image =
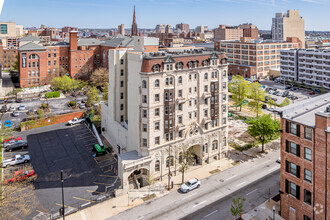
x=50 y=95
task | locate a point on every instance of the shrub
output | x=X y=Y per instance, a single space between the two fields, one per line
x=41 y=113
x=56 y=94
x=50 y=95
x=72 y=103
x=44 y=106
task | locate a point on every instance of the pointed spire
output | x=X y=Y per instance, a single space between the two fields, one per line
x=134 y=25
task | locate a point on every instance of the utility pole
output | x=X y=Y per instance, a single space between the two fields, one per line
x=62 y=181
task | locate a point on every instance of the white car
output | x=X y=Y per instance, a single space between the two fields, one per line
x=21 y=107
x=18 y=159
x=76 y=121
x=190 y=185
x=15 y=113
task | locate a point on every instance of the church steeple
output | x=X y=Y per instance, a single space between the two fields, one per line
x=134 y=25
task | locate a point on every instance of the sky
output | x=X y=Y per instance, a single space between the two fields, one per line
x=111 y=13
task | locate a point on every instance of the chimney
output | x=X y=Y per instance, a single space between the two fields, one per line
x=73 y=40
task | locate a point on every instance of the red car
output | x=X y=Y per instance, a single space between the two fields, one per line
x=312 y=93
x=12 y=139
x=21 y=175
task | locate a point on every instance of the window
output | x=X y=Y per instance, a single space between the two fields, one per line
x=144 y=127
x=54 y=62
x=144 y=84
x=180 y=119
x=205 y=112
x=157 y=125
x=156 y=97
x=190 y=115
x=33 y=73
x=49 y=55
x=157 y=112
x=180 y=79
x=308 y=133
x=121 y=107
x=215 y=145
x=144 y=113
x=169 y=161
x=293 y=148
x=157 y=164
x=144 y=99
x=308 y=154
x=122 y=118
x=166 y=81
x=121 y=61
x=224 y=121
x=171 y=81
x=54 y=54
x=49 y=71
x=180 y=134
x=121 y=72
x=308 y=175
x=144 y=142
x=121 y=83
x=156 y=83
x=307 y=197
x=29 y=73
x=205 y=88
x=180 y=93
x=293 y=189
x=205 y=76
x=205 y=101
x=3 y=28
x=121 y=95
x=292 y=168
x=49 y=63
x=189 y=90
x=180 y=107
x=306 y=217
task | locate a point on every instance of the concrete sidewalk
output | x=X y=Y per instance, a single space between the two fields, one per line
x=264 y=212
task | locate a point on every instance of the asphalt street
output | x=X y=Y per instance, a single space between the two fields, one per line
x=214 y=192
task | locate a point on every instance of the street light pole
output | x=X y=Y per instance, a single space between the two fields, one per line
x=62 y=182
x=273 y=212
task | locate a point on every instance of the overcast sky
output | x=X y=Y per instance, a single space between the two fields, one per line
x=111 y=13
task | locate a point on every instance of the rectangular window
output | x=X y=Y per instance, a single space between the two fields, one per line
x=308 y=175
x=156 y=125
x=144 y=127
x=121 y=61
x=180 y=93
x=49 y=55
x=293 y=128
x=180 y=119
x=4 y=29
x=49 y=63
x=157 y=112
x=307 y=197
x=293 y=169
x=54 y=62
x=205 y=113
x=205 y=88
x=157 y=140
x=54 y=54
x=293 y=148
x=29 y=72
x=308 y=133
x=144 y=113
x=144 y=99
x=145 y=142
x=121 y=107
x=180 y=107
x=306 y=217
x=308 y=154
x=156 y=97
x=293 y=189
x=122 y=118
x=180 y=134
x=121 y=72
x=121 y=83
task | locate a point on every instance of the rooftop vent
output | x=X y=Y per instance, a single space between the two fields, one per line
x=328 y=109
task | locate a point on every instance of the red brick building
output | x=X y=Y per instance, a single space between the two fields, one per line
x=8 y=57
x=305 y=159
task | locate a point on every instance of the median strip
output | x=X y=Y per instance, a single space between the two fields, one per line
x=210 y=214
x=241 y=183
x=199 y=204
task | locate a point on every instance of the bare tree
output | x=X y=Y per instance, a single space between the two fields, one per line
x=150 y=181
x=84 y=73
x=99 y=77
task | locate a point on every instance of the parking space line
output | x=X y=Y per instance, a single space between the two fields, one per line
x=83 y=199
x=64 y=205
x=93 y=191
x=107 y=165
x=38 y=211
x=107 y=176
x=102 y=160
x=107 y=171
x=105 y=184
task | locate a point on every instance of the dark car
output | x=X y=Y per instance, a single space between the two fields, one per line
x=293 y=88
x=17 y=145
x=294 y=97
x=312 y=93
x=19 y=100
x=274 y=99
x=4 y=109
x=264 y=106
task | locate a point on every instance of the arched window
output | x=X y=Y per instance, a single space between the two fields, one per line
x=196 y=62
x=205 y=76
x=205 y=63
x=205 y=148
x=180 y=79
x=157 y=165
x=33 y=56
x=190 y=65
x=171 y=80
x=179 y=66
x=144 y=84
x=156 y=68
x=214 y=145
x=156 y=83
x=169 y=161
x=215 y=74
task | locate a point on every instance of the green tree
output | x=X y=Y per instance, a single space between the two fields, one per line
x=258 y=96
x=322 y=89
x=105 y=92
x=263 y=128
x=239 y=87
x=15 y=66
x=92 y=96
x=285 y=102
x=237 y=207
x=185 y=159
x=150 y=181
x=272 y=103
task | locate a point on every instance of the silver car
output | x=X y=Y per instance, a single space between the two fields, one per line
x=15 y=113
x=190 y=185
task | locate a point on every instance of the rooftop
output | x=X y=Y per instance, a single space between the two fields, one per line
x=180 y=53
x=32 y=46
x=29 y=38
x=304 y=112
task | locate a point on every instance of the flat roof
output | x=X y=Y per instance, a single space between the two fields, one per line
x=303 y=112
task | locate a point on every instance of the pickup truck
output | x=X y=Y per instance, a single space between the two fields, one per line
x=13 y=145
x=18 y=159
x=21 y=175
x=76 y=121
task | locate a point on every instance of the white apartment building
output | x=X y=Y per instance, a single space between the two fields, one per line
x=164 y=28
x=310 y=67
x=288 y=25
x=162 y=103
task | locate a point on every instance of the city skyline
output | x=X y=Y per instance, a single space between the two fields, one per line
x=103 y=14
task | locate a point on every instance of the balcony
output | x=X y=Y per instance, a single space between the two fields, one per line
x=180 y=100
x=206 y=95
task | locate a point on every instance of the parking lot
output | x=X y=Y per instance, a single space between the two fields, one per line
x=59 y=147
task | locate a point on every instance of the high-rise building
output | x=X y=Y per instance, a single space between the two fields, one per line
x=288 y=25
x=224 y=32
x=9 y=33
x=254 y=58
x=164 y=28
x=121 y=29
x=305 y=159
x=309 y=67
x=250 y=30
x=200 y=29
x=182 y=28
x=134 y=25
x=153 y=115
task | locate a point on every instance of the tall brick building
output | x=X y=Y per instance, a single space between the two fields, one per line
x=305 y=159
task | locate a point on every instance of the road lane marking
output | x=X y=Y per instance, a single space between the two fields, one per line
x=141 y=217
x=64 y=205
x=210 y=214
x=252 y=192
x=272 y=169
x=107 y=171
x=105 y=184
x=107 y=176
x=83 y=199
x=93 y=191
x=199 y=203
x=38 y=211
x=265 y=162
x=189 y=196
x=231 y=177
x=241 y=183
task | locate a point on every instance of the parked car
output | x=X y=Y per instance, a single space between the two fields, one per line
x=12 y=108
x=8 y=124
x=12 y=139
x=15 y=113
x=277 y=80
x=17 y=145
x=82 y=106
x=264 y=106
x=190 y=185
x=274 y=99
x=21 y=107
x=289 y=96
x=293 y=97
x=76 y=121
x=21 y=175
x=2 y=101
x=285 y=94
x=293 y=88
x=19 y=100
x=312 y=93
x=4 y=109
x=278 y=160
x=18 y=159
